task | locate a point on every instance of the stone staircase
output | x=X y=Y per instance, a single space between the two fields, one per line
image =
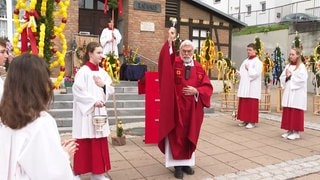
x=129 y=104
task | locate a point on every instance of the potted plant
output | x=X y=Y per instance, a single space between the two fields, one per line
x=68 y=81
x=120 y=138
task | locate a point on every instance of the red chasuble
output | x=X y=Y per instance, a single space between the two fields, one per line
x=181 y=116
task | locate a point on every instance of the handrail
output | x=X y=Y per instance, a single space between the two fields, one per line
x=147 y=58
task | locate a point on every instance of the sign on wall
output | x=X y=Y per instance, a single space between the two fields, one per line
x=147 y=6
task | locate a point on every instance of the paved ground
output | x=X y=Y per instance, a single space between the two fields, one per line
x=226 y=151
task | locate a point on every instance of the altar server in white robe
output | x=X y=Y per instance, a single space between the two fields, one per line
x=110 y=38
x=294 y=99
x=31 y=148
x=91 y=89
x=4 y=55
x=249 y=91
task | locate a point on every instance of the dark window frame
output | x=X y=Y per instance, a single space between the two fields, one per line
x=198 y=37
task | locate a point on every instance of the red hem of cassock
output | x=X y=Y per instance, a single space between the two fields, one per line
x=292 y=119
x=92 y=156
x=248 y=110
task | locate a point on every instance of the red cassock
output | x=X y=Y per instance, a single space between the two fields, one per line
x=292 y=119
x=181 y=116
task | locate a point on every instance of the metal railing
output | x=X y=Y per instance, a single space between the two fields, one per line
x=151 y=64
x=274 y=15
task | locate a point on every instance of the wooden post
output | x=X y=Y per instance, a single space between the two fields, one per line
x=279 y=99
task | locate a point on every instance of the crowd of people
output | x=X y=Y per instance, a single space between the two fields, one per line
x=26 y=127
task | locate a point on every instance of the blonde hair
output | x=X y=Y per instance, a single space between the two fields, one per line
x=299 y=60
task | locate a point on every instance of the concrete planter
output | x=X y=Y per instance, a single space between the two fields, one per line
x=118 y=141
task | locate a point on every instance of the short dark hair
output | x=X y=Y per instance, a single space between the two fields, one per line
x=109 y=20
x=3 y=42
x=252 y=45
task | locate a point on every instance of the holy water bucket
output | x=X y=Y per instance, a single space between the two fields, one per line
x=99 y=121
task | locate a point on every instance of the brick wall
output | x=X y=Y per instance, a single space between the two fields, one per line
x=148 y=43
x=70 y=29
x=189 y=11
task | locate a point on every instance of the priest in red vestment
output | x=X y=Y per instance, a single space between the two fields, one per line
x=185 y=89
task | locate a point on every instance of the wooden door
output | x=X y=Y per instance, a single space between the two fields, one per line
x=92 y=21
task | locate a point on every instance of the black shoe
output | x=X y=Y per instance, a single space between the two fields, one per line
x=188 y=170
x=178 y=173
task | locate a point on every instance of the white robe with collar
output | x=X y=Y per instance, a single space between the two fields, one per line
x=106 y=36
x=34 y=152
x=250 y=82
x=85 y=94
x=295 y=90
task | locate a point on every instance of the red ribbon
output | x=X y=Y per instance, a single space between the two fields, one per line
x=24 y=41
x=120 y=7
x=32 y=41
x=105 y=7
x=27 y=34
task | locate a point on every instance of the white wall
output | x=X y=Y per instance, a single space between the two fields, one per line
x=270 y=41
x=269 y=16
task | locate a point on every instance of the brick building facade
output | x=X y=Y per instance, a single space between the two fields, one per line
x=144 y=25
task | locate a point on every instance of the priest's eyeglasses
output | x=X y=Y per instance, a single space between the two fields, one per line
x=185 y=51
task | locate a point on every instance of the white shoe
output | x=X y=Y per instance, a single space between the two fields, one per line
x=242 y=124
x=285 y=135
x=76 y=177
x=98 y=177
x=294 y=135
x=250 y=125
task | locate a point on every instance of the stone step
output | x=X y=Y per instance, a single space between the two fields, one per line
x=124 y=87
x=125 y=117
x=65 y=113
x=118 y=96
x=67 y=122
x=109 y=103
x=133 y=111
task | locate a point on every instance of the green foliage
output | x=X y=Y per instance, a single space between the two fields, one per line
x=313 y=64
x=49 y=22
x=279 y=63
x=119 y=129
x=196 y=56
x=261 y=29
x=318 y=50
x=113 y=4
x=298 y=44
x=259 y=47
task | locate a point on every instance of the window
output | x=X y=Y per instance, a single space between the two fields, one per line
x=263 y=6
x=3 y=9
x=3 y=18
x=86 y=4
x=198 y=36
x=91 y=4
x=249 y=9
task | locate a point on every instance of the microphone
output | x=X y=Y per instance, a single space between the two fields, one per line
x=187 y=72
